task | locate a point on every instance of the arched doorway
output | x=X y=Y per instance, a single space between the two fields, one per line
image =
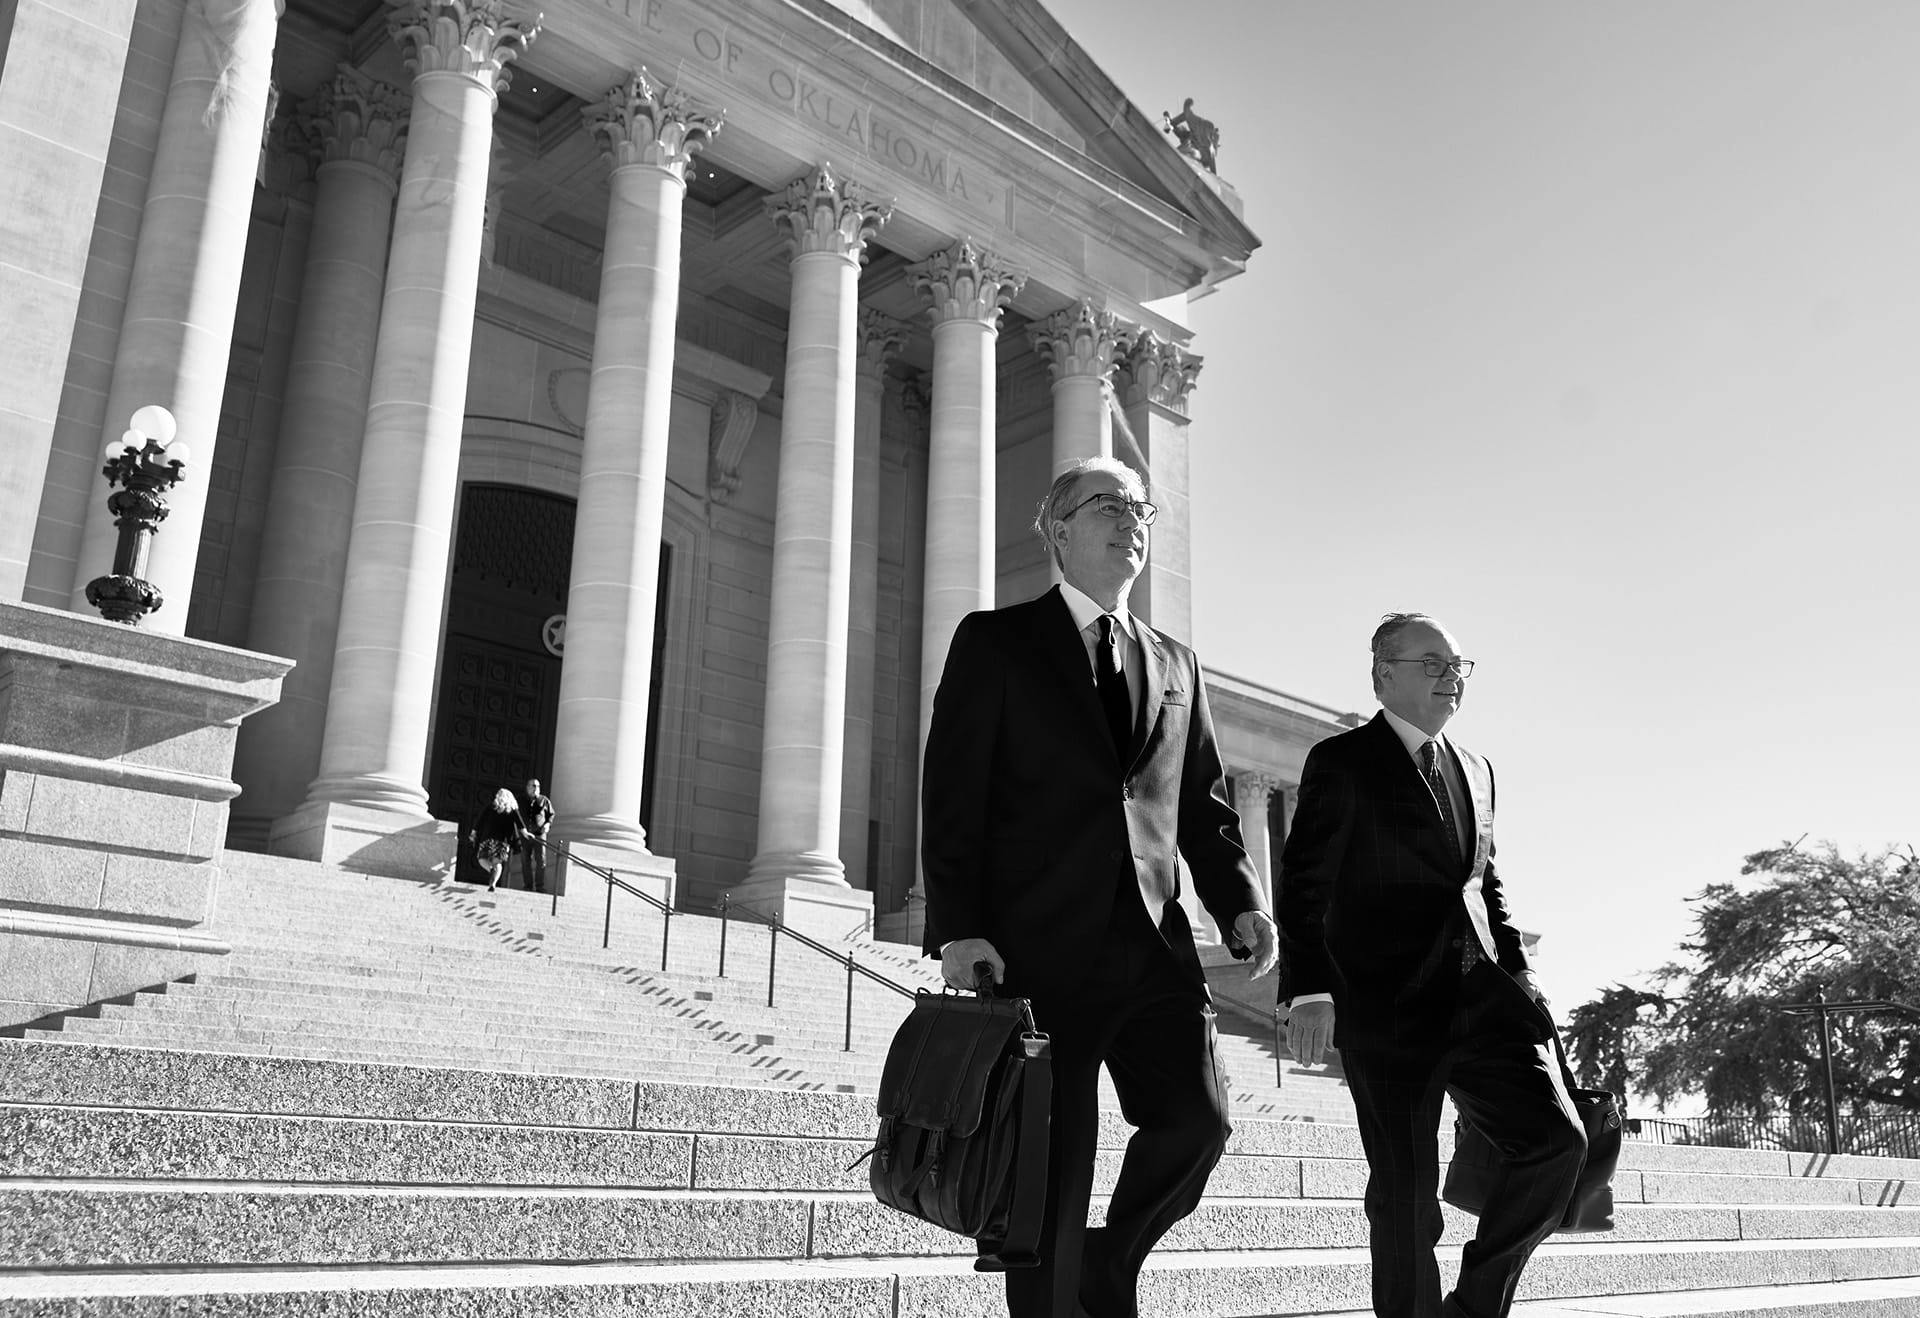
x=500 y=662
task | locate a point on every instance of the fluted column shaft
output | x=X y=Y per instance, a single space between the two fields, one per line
x=880 y=337
x=358 y=126
x=1079 y=345
x=967 y=287
x=176 y=333
x=382 y=690
x=802 y=751
x=600 y=743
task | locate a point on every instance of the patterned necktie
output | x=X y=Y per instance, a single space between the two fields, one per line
x=1430 y=766
x=1471 y=953
x=1112 y=684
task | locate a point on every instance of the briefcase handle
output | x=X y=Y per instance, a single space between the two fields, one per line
x=984 y=986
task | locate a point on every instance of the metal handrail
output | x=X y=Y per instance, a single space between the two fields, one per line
x=775 y=927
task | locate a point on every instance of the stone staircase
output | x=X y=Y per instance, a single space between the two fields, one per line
x=352 y=967
x=138 y=1181
x=403 y=1099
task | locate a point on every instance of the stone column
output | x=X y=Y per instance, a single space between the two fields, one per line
x=357 y=127
x=1079 y=345
x=648 y=133
x=374 y=750
x=1251 y=793
x=967 y=287
x=797 y=862
x=177 y=329
x=55 y=131
x=881 y=337
x=1153 y=382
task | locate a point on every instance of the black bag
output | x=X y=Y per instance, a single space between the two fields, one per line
x=1476 y=1161
x=965 y=1104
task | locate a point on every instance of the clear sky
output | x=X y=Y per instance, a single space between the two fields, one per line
x=1594 y=330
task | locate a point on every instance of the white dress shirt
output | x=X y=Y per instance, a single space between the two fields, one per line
x=1086 y=616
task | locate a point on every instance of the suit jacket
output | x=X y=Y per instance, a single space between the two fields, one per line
x=1031 y=824
x=1370 y=895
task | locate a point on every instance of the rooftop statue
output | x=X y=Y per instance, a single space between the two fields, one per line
x=1197 y=137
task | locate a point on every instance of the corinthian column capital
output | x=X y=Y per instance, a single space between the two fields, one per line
x=358 y=118
x=473 y=37
x=881 y=336
x=1156 y=370
x=1252 y=790
x=1079 y=341
x=642 y=121
x=967 y=283
x=820 y=213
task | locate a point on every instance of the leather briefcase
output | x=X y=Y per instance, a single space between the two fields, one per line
x=1476 y=1162
x=965 y=1104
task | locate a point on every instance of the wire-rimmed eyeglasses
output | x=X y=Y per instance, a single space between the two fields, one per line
x=1116 y=506
x=1433 y=667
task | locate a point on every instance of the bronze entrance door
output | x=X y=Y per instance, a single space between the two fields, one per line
x=500 y=665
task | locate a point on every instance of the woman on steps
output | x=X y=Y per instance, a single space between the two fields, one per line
x=496 y=835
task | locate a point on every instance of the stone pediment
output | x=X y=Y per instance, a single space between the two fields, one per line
x=1018 y=55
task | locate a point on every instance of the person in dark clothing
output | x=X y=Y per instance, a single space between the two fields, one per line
x=496 y=835
x=536 y=816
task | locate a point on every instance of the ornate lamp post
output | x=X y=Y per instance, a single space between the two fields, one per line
x=145 y=463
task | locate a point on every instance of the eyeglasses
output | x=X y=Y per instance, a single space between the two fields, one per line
x=1437 y=667
x=1116 y=507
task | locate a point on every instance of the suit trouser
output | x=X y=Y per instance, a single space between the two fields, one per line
x=533 y=864
x=1509 y=1087
x=1150 y=1021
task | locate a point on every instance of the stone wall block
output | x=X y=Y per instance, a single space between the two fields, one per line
x=117 y=817
x=44 y=874
x=150 y=887
x=42 y=972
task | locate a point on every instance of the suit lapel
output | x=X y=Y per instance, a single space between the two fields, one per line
x=1153 y=682
x=1474 y=773
x=1059 y=640
x=1401 y=769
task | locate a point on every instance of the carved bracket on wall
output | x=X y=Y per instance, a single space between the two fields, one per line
x=734 y=415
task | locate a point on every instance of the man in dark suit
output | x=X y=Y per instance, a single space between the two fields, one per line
x=1399 y=952
x=1070 y=765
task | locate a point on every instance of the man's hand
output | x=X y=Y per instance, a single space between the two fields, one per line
x=1525 y=979
x=958 y=957
x=1310 y=1032
x=1256 y=930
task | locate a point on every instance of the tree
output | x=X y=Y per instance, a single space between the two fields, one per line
x=1815 y=921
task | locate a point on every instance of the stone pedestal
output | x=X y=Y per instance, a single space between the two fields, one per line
x=653 y=875
x=116 y=752
x=366 y=840
x=818 y=909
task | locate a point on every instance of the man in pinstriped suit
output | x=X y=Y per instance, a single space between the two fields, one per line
x=1398 y=950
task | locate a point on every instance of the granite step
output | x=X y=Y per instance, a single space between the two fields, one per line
x=82 y=1224
x=1816 y=1280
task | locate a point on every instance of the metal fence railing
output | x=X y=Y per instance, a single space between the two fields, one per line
x=1880 y=1134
